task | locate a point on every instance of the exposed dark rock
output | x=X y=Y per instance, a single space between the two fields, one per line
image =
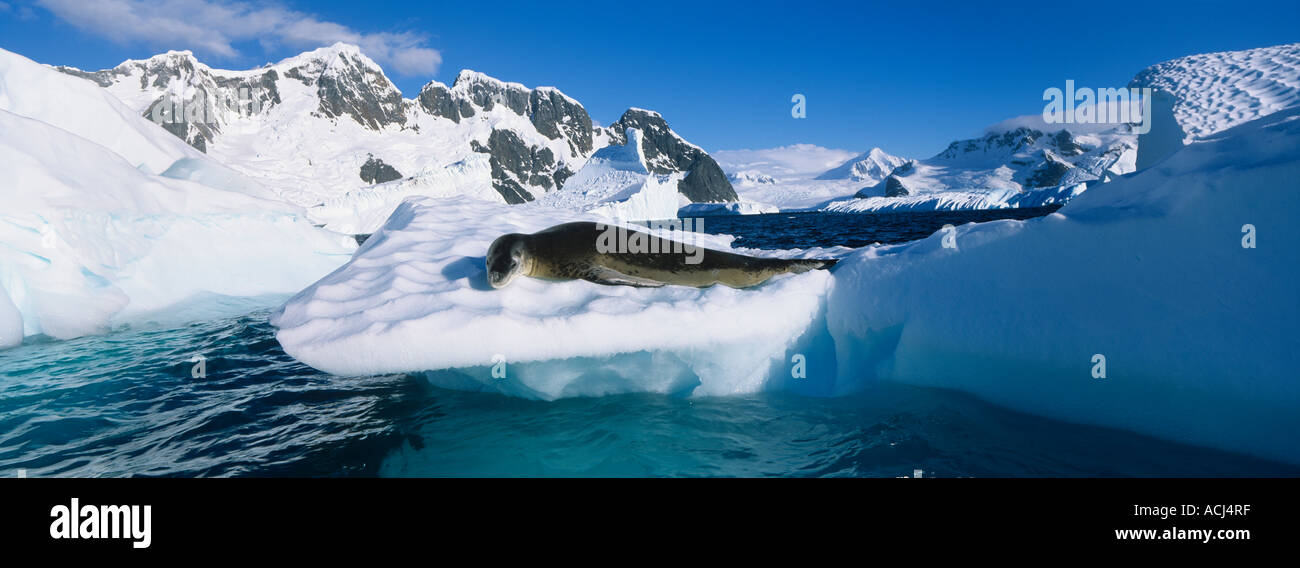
x=171 y=116
x=1010 y=141
x=486 y=93
x=1066 y=145
x=561 y=175
x=438 y=101
x=894 y=187
x=101 y=78
x=1049 y=173
x=514 y=162
x=361 y=92
x=555 y=115
x=706 y=182
x=904 y=170
x=296 y=73
x=376 y=171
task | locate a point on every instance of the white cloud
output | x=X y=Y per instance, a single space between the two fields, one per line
x=795 y=159
x=215 y=28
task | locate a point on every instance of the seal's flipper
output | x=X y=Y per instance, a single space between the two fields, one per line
x=611 y=277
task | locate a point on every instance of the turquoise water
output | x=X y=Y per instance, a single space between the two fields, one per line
x=128 y=404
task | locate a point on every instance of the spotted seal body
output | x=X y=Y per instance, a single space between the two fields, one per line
x=582 y=251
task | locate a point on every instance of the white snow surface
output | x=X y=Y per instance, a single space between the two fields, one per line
x=868 y=168
x=1216 y=91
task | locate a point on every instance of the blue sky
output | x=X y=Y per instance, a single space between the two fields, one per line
x=906 y=76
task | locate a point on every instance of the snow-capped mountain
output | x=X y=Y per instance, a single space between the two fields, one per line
x=751 y=177
x=1217 y=91
x=321 y=127
x=869 y=168
x=1017 y=160
x=1195 y=96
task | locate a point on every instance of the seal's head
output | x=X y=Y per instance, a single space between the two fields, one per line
x=506 y=259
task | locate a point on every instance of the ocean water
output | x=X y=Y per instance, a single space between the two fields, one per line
x=819 y=229
x=129 y=404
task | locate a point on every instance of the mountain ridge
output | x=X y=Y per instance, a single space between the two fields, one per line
x=532 y=139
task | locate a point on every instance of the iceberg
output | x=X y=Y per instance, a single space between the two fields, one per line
x=742 y=207
x=91 y=239
x=30 y=89
x=415 y=298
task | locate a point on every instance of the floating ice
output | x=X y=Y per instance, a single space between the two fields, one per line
x=415 y=298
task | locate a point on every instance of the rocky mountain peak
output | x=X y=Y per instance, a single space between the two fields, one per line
x=666 y=153
x=348 y=84
x=524 y=158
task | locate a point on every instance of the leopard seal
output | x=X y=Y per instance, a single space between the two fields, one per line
x=582 y=251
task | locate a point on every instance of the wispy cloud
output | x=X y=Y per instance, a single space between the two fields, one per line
x=22 y=12
x=216 y=28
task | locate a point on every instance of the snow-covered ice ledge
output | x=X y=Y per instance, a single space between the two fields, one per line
x=1201 y=336
x=415 y=298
